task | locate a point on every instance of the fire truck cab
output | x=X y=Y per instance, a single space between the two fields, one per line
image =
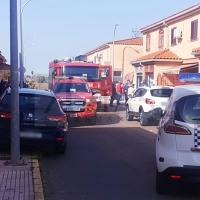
x=97 y=76
x=76 y=98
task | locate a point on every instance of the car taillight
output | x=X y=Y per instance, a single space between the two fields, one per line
x=149 y=101
x=57 y=118
x=5 y=115
x=175 y=177
x=172 y=128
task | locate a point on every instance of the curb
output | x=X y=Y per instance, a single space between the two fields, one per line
x=37 y=181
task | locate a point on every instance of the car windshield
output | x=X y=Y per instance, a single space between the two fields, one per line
x=31 y=101
x=161 y=92
x=71 y=87
x=92 y=73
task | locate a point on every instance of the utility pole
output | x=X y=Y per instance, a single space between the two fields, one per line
x=15 y=136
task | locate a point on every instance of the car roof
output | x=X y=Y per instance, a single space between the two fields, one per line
x=34 y=91
x=157 y=87
x=185 y=90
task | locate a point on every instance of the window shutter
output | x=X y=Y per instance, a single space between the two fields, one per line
x=173 y=39
x=194 y=29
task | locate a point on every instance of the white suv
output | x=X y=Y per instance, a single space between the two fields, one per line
x=178 y=139
x=146 y=102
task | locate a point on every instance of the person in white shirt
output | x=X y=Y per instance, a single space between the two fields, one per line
x=131 y=90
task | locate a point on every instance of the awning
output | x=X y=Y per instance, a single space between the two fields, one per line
x=4 y=66
x=176 y=70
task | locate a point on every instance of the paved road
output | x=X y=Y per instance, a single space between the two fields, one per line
x=113 y=160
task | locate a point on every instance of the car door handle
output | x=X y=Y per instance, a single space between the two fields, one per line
x=195 y=149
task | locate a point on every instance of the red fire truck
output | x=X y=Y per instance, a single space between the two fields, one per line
x=98 y=77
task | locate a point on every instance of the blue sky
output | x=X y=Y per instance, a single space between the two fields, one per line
x=71 y=28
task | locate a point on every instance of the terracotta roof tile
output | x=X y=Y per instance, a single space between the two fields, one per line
x=100 y=48
x=161 y=54
x=130 y=41
x=196 y=50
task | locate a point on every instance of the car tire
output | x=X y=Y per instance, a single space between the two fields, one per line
x=61 y=149
x=92 y=120
x=161 y=184
x=129 y=117
x=143 y=120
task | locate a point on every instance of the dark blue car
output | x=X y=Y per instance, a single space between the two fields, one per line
x=42 y=121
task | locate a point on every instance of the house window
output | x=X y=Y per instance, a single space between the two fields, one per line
x=148 y=40
x=117 y=73
x=161 y=39
x=194 y=29
x=173 y=36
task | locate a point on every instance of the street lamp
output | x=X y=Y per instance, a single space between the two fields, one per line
x=27 y=39
x=123 y=59
x=23 y=68
x=25 y=55
x=26 y=48
x=22 y=50
x=113 y=52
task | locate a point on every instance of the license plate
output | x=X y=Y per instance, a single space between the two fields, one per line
x=73 y=109
x=73 y=115
x=30 y=135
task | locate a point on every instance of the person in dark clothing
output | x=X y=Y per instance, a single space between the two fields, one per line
x=2 y=87
x=25 y=85
x=126 y=90
x=113 y=94
x=8 y=83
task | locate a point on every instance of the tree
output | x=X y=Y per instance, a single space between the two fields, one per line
x=31 y=84
x=41 y=79
x=5 y=74
x=136 y=33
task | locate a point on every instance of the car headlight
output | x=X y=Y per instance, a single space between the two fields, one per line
x=89 y=100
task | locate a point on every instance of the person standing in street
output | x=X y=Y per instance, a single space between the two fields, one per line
x=131 y=91
x=113 y=94
x=126 y=90
x=119 y=92
x=2 y=87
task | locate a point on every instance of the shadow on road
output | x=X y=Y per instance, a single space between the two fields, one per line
x=101 y=159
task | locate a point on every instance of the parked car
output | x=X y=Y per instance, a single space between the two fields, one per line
x=178 y=139
x=76 y=99
x=42 y=121
x=145 y=102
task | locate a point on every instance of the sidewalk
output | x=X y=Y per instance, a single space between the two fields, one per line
x=22 y=181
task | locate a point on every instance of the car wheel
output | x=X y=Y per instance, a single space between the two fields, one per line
x=129 y=117
x=143 y=120
x=60 y=149
x=92 y=120
x=161 y=184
